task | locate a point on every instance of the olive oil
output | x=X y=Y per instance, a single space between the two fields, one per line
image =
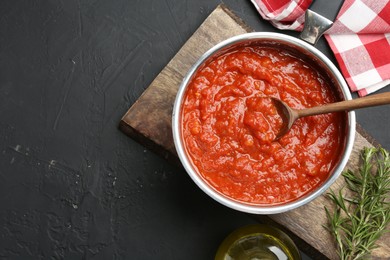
x=257 y=242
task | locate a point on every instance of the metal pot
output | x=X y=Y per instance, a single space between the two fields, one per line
x=310 y=54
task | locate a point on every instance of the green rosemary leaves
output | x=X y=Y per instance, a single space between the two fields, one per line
x=360 y=218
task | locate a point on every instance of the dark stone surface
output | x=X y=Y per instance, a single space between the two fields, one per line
x=72 y=186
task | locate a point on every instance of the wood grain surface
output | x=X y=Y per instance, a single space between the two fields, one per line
x=149 y=122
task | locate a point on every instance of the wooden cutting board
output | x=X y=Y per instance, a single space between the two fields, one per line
x=149 y=122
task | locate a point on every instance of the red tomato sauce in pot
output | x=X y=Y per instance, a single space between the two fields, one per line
x=229 y=127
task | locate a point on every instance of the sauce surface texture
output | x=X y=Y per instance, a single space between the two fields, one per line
x=229 y=126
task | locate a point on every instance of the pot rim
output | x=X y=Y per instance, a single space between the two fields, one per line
x=253 y=208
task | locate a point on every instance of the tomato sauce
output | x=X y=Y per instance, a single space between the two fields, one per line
x=229 y=127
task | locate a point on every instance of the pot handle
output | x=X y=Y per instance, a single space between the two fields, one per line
x=315 y=26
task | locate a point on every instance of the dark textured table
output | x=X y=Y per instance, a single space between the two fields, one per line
x=72 y=186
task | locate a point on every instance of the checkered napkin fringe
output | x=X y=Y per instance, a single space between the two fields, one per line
x=359 y=38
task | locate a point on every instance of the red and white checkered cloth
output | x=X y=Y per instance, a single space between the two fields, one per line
x=359 y=38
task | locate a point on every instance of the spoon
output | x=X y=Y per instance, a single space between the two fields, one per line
x=290 y=115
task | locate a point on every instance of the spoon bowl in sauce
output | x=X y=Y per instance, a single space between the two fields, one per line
x=290 y=115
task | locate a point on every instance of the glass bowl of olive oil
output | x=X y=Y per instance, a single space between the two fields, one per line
x=255 y=242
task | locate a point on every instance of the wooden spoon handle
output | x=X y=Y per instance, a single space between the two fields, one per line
x=368 y=101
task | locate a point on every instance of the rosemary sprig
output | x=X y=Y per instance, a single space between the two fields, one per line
x=360 y=219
